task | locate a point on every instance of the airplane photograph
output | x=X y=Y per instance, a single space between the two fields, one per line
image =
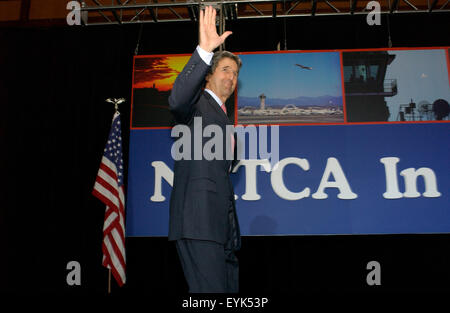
x=304 y=67
x=272 y=90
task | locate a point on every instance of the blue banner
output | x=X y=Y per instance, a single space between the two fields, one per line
x=359 y=159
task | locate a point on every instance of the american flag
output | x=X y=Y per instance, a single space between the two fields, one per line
x=109 y=189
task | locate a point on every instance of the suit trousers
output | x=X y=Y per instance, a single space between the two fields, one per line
x=208 y=266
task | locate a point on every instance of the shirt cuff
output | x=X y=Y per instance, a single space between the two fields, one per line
x=205 y=55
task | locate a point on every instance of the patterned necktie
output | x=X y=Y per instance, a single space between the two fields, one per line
x=224 y=108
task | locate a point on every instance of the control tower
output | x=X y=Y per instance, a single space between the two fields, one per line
x=366 y=85
x=262 y=101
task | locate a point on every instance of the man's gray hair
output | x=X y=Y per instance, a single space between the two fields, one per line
x=219 y=55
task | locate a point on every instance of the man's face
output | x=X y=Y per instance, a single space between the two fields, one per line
x=224 y=79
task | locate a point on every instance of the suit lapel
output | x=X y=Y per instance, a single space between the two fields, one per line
x=217 y=108
x=213 y=103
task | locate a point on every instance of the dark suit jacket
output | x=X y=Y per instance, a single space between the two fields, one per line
x=202 y=202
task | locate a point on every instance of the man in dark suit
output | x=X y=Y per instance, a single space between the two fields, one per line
x=203 y=219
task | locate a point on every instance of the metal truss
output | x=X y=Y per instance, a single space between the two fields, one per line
x=97 y=12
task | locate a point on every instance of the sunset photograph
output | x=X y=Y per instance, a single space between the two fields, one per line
x=153 y=77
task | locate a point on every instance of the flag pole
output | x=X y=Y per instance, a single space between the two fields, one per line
x=116 y=103
x=109 y=280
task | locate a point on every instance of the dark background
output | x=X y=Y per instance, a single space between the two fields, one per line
x=54 y=122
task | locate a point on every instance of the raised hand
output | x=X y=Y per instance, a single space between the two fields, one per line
x=208 y=37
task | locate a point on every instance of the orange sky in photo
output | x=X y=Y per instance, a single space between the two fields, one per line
x=161 y=71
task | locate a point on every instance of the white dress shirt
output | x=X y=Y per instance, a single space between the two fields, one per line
x=207 y=57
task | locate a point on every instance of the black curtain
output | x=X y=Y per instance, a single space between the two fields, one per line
x=53 y=128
